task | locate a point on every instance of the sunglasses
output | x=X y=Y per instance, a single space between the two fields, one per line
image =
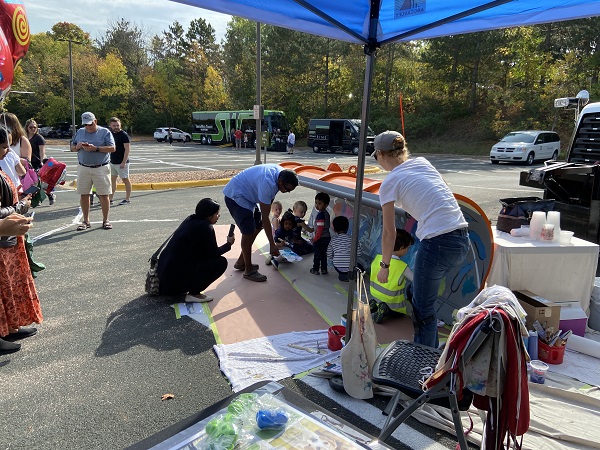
x=89 y=124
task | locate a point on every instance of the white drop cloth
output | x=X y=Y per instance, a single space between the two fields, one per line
x=271 y=357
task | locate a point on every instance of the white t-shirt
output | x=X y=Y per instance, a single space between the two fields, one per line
x=418 y=188
x=8 y=164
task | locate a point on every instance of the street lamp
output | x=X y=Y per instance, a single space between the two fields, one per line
x=71 y=41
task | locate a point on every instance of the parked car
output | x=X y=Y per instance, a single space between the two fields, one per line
x=526 y=146
x=162 y=135
x=60 y=131
x=44 y=129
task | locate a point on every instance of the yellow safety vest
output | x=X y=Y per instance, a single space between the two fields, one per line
x=390 y=292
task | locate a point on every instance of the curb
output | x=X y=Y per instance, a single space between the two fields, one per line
x=186 y=184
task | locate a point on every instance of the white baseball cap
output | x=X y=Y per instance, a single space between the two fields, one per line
x=87 y=118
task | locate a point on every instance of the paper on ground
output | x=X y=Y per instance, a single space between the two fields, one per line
x=271 y=357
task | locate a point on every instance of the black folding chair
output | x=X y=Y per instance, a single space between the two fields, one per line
x=404 y=365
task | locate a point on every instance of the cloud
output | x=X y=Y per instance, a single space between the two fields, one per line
x=93 y=16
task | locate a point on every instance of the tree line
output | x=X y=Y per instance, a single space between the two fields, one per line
x=496 y=81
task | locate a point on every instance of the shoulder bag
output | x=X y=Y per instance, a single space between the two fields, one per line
x=152 y=287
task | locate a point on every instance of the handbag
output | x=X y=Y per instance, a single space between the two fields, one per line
x=30 y=178
x=152 y=281
x=358 y=356
x=518 y=211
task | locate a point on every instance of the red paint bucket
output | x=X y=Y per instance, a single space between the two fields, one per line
x=335 y=334
x=551 y=355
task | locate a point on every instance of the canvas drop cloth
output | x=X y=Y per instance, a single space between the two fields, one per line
x=271 y=357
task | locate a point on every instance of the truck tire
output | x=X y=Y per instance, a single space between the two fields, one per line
x=208 y=140
x=355 y=150
x=316 y=149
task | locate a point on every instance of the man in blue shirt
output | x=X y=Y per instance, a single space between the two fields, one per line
x=93 y=145
x=248 y=197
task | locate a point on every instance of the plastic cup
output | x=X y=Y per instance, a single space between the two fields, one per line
x=538 y=371
x=566 y=236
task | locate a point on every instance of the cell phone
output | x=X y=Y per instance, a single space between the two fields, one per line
x=31 y=190
x=231 y=228
x=29 y=214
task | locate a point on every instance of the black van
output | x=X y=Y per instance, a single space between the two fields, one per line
x=337 y=135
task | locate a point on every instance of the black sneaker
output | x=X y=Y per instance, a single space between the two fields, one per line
x=324 y=272
x=373 y=305
x=314 y=272
x=383 y=310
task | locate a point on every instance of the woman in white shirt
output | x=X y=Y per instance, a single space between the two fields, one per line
x=20 y=144
x=418 y=188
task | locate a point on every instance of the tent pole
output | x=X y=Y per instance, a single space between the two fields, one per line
x=360 y=173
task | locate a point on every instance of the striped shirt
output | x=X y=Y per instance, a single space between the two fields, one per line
x=338 y=251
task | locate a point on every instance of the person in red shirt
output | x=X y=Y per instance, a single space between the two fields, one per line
x=238 y=139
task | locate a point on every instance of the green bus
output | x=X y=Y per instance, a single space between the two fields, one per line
x=214 y=127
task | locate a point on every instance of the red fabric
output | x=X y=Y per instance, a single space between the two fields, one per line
x=51 y=172
x=509 y=424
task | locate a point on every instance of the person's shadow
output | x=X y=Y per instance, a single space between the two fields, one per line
x=150 y=321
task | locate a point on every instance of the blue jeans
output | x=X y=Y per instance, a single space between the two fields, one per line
x=434 y=259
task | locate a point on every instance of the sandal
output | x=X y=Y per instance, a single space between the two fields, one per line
x=106 y=225
x=83 y=226
x=255 y=276
x=238 y=266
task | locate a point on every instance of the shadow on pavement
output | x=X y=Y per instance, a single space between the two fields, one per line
x=150 y=321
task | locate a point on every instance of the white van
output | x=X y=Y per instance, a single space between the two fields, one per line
x=526 y=146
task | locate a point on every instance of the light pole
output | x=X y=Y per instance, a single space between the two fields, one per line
x=71 y=41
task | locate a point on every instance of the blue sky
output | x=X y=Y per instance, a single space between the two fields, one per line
x=93 y=16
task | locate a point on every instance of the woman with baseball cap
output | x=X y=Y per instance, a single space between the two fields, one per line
x=418 y=188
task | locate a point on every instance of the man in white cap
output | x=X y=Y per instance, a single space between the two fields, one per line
x=93 y=145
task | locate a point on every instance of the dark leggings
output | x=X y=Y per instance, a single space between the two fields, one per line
x=320 y=249
x=198 y=277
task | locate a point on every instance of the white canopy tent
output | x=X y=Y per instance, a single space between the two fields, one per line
x=373 y=23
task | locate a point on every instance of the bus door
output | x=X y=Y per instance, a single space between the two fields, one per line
x=336 y=134
x=349 y=136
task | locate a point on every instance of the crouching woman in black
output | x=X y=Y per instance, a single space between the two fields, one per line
x=191 y=261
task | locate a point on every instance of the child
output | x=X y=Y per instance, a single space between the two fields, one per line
x=321 y=236
x=301 y=246
x=393 y=297
x=276 y=209
x=284 y=235
x=338 y=250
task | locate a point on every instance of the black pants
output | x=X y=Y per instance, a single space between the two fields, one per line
x=320 y=250
x=198 y=277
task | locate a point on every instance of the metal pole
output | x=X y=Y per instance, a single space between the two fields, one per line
x=72 y=91
x=258 y=121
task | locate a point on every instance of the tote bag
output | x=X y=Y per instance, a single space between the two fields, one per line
x=358 y=356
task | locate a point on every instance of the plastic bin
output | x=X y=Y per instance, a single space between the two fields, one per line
x=550 y=355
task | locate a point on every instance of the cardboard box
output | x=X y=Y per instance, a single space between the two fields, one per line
x=540 y=309
x=572 y=317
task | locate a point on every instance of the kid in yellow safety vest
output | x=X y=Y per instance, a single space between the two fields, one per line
x=390 y=299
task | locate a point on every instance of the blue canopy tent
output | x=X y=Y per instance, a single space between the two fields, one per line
x=373 y=23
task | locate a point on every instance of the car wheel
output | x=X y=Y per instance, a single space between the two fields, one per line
x=495 y=161
x=158 y=140
x=316 y=149
x=208 y=140
x=554 y=155
x=203 y=140
x=355 y=150
x=530 y=159
x=188 y=139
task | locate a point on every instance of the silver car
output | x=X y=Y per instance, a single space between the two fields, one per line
x=162 y=135
x=526 y=146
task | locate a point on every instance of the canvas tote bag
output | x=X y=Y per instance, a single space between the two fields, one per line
x=359 y=353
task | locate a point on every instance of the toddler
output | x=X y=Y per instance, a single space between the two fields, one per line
x=393 y=297
x=276 y=209
x=321 y=236
x=338 y=250
x=300 y=245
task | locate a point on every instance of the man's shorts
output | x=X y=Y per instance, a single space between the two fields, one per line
x=249 y=222
x=97 y=176
x=116 y=171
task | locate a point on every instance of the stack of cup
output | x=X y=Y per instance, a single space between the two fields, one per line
x=554 y=219
x=538 y=219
